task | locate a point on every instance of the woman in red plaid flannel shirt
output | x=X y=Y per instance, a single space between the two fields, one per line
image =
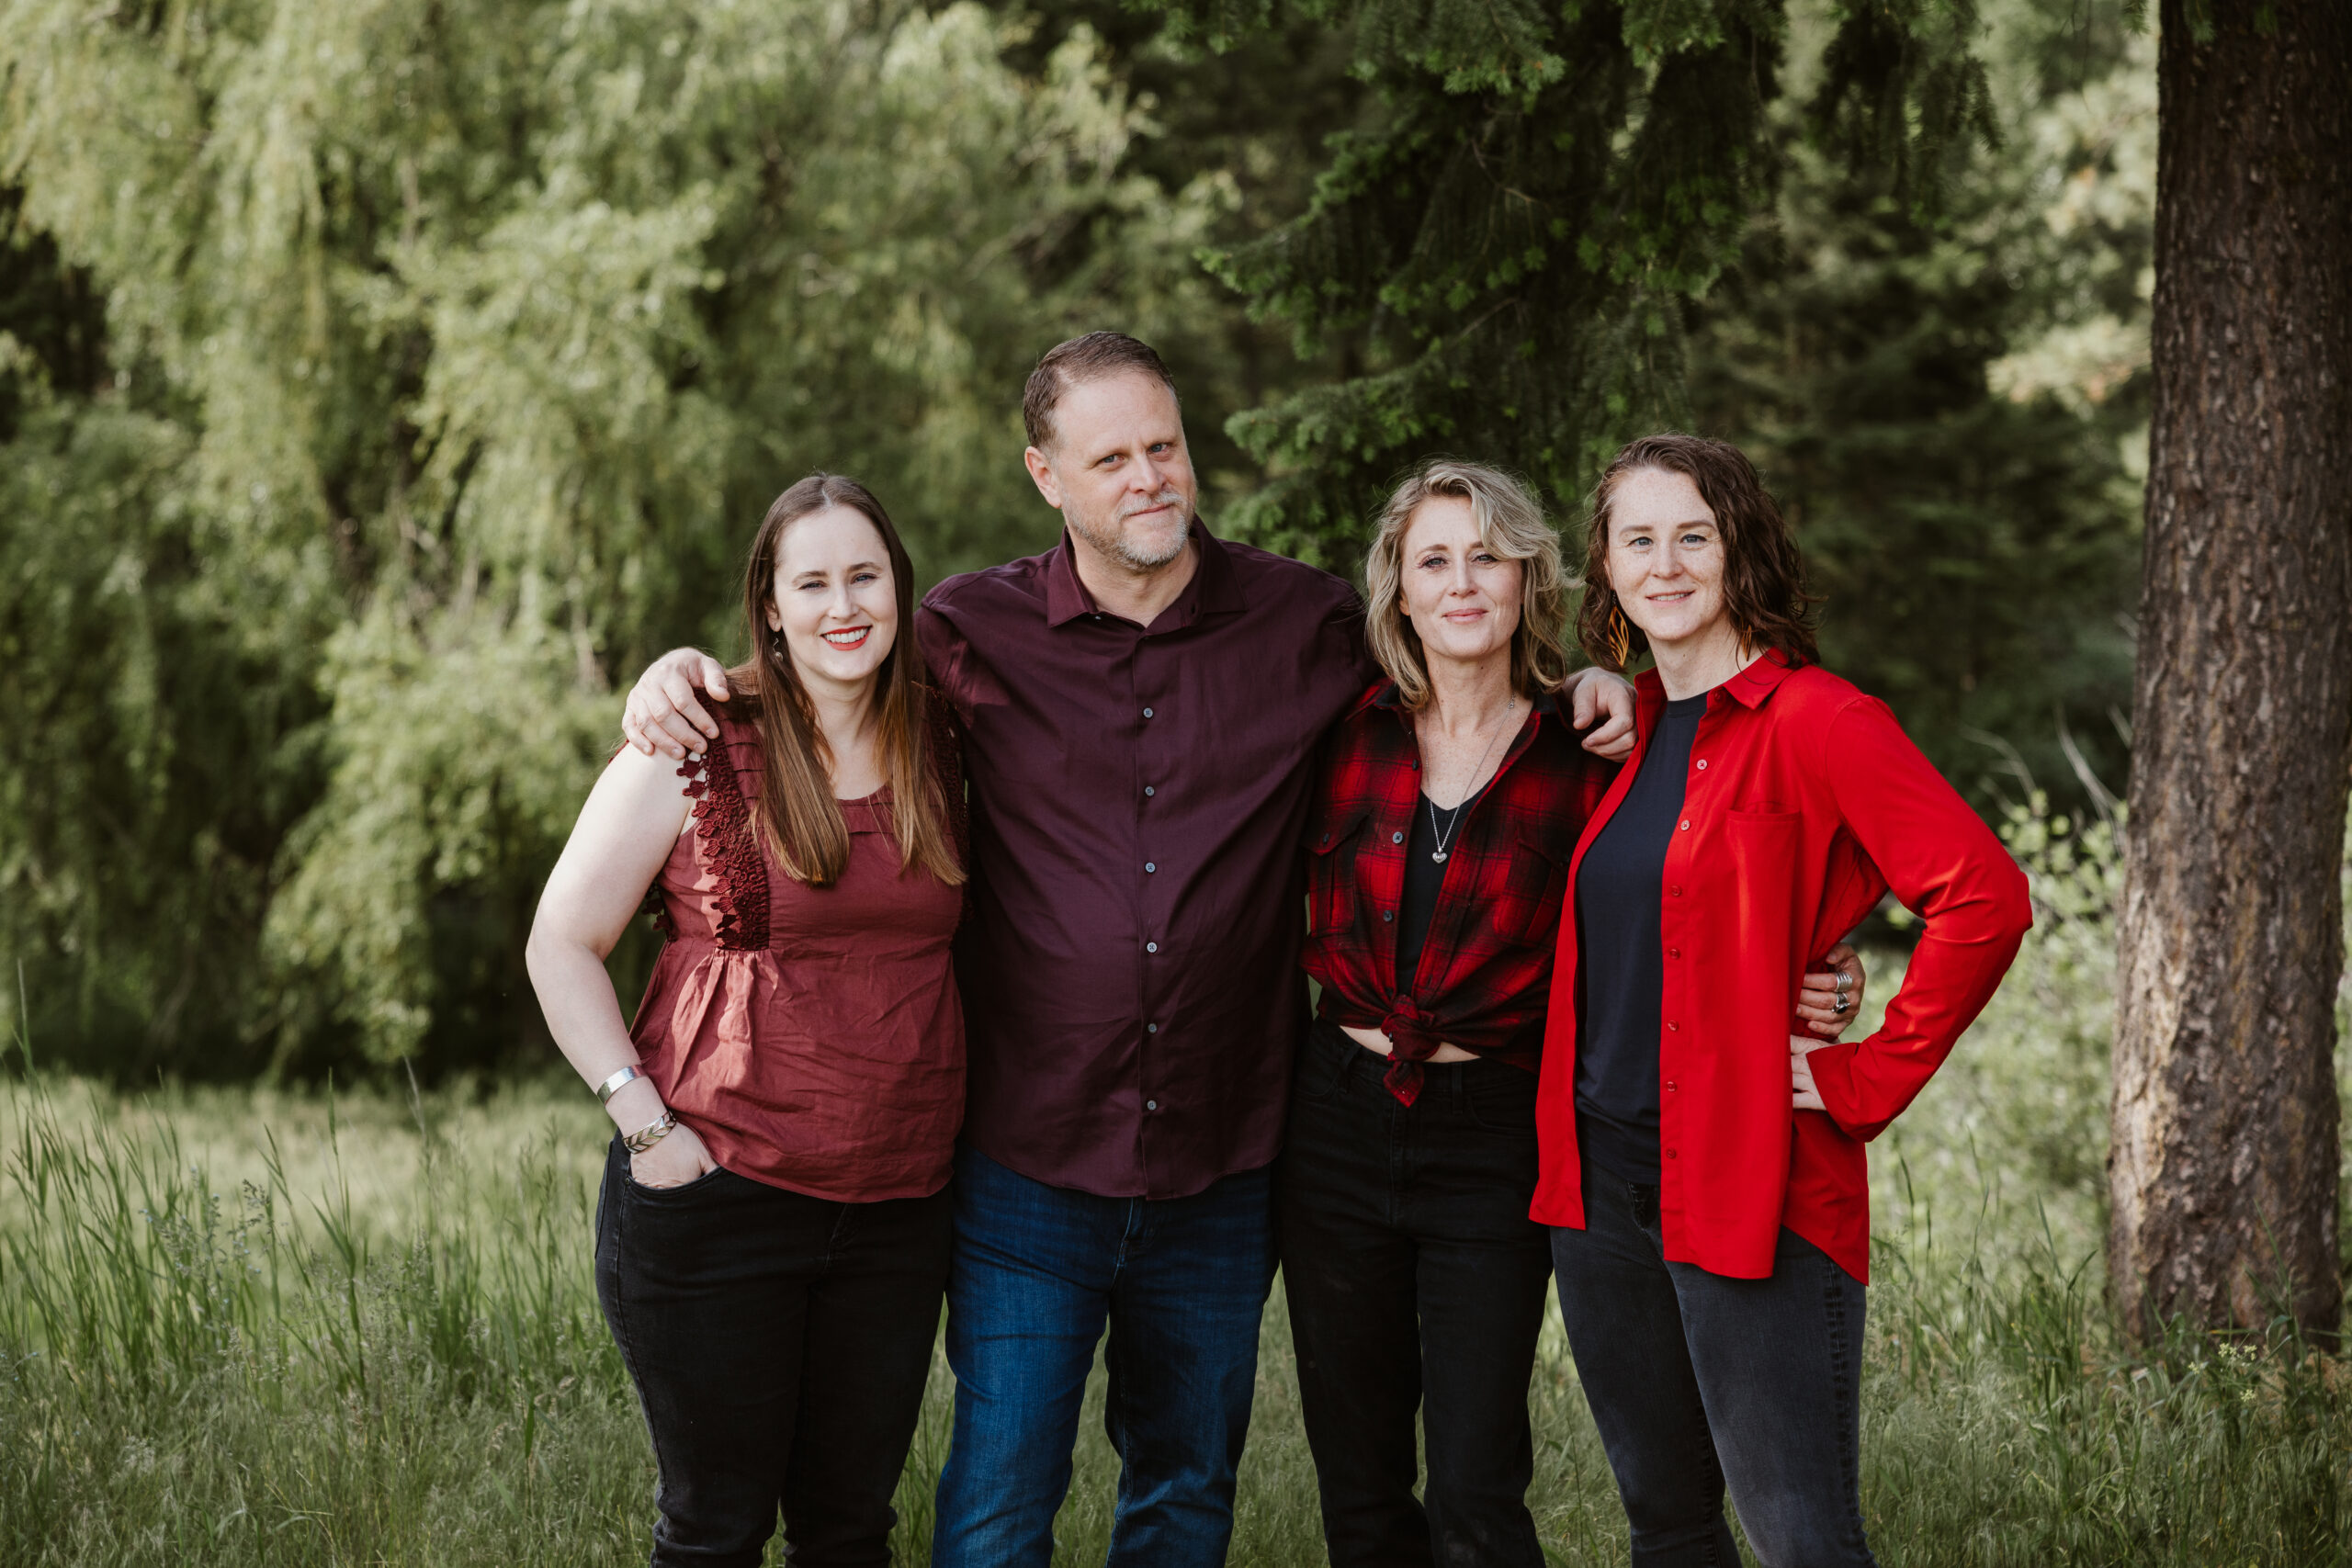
x=1450 y=803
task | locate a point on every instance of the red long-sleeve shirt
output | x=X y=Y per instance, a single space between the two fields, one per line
x=1804 y=802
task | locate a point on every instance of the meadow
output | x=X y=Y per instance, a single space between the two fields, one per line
x=307 y=1326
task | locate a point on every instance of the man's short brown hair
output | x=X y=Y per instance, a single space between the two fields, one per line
x=1094 y=357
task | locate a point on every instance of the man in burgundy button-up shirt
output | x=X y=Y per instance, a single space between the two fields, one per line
x=1130 y=970
x=1141 y=708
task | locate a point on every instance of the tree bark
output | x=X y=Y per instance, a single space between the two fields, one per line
x=2223 y=1161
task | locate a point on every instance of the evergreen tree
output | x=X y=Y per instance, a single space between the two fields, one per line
x=1954 y=410
x=1511 y=243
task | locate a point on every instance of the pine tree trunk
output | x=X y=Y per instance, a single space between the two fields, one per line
x=2224 y=1163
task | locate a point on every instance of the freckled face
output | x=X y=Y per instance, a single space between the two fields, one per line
x=834 y=600
x=1461 y=596
x=1665 y=556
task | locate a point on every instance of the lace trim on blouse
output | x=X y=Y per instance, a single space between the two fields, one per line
x=730 y=844
x=729 y=847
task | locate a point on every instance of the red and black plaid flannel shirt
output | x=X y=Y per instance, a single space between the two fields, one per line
x=1485 y=977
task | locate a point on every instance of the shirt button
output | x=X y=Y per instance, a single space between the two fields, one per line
x=1702 y=764
x=1151 y=1029
x=1672 y=1087
x=1674 y=1029
x=1152 y=1105
x=1148 y=792
x=1670 y=953
x=1670 y=1154
x=1149 y=867
x=1396 y=837
x=1676 y=890
x=1151 y=947
x=1387 y=914
x=1146 y=713
x=1686 y=824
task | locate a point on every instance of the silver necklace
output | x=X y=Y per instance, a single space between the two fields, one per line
x=1444 y=836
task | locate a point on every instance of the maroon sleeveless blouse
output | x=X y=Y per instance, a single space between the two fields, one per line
x=811 y=1037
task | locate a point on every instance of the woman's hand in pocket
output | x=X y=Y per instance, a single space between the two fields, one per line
x=677 y=1160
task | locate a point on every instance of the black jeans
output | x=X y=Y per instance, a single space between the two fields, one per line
x=1415 y=1279
x=1696 y=1380
x=779 y=1344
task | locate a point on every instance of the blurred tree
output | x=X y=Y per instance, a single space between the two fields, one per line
x=1953 y=406
x=1549 y=230
x=451 y=351
x=379 y=377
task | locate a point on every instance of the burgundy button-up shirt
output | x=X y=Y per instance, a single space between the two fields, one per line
x=1130 y=971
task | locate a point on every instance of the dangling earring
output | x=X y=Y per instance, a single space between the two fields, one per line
x=1621 y=634
x=776 y=643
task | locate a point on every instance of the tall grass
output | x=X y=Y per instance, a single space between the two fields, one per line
x=269 y=1328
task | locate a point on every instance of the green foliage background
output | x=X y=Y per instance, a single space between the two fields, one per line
x=381 y=381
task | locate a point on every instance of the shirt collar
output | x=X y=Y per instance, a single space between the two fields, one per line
x=1751 y=688
x=1754 y=686
x=1214 y=588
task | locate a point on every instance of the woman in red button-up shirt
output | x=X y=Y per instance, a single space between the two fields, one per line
x=1702 y=1165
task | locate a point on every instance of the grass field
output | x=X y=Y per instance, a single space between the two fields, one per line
x=265 y=1327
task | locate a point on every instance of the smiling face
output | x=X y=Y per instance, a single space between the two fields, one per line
x=1665 y=558
x=834 y=599
x=1462 y=597
x=1118 y=468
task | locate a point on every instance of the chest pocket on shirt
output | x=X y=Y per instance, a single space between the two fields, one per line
x=1528 y=913
x=1332 y=870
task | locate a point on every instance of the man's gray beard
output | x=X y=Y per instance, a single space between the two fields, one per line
x=1117 y=547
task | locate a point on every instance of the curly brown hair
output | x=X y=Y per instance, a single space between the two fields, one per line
x=1764 y=583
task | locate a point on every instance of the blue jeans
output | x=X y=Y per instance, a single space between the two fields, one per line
x=1036 y=1273
x=1697 y=1380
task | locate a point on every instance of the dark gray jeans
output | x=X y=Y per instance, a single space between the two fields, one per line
x=1696 y=1380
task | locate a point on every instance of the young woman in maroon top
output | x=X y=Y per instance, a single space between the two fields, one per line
x=1450 y=801
x=772 y=1243
x=1702 y=1165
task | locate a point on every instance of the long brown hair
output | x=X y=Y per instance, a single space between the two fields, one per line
x=1764 y=584
x=797 y=811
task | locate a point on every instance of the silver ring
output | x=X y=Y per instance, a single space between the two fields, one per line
x=1842 y=1005
x=1844 y=981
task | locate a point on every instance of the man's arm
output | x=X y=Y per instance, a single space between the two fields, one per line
x=663 y=714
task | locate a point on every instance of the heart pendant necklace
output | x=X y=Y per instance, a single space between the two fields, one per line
x=1445 y=835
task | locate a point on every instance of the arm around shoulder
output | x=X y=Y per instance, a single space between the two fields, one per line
x=663 y=717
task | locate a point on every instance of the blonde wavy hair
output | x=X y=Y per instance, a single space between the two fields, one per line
x=1511 y=525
